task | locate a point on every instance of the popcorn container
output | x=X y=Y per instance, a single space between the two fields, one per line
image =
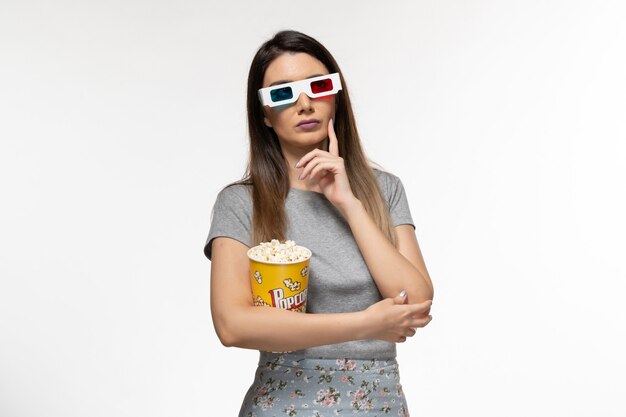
x=280 y=283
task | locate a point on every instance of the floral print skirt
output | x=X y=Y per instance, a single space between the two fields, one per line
x=288 y=384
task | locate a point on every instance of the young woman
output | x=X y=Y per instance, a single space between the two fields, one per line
x=308 y=180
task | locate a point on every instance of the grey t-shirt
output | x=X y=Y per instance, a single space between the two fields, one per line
x=339 y=280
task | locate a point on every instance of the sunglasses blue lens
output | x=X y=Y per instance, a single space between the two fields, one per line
x=281 y=94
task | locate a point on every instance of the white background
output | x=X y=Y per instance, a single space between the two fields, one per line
x=121 y=120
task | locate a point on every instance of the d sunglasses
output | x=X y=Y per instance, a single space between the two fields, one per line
x=288 y=93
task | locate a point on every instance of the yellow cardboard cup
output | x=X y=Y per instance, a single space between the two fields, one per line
x=280 y=284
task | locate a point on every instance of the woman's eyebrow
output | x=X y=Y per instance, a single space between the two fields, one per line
x=288 y=81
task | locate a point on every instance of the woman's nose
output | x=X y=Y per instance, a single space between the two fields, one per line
x=304 y=102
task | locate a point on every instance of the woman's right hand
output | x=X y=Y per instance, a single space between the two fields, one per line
x=393 y=320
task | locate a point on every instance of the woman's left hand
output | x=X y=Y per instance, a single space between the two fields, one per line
x=327 y=170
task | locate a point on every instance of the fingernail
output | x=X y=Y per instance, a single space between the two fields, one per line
x=403 y=293
x=298 y=164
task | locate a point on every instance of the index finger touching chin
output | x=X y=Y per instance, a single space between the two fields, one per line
x=333 y=145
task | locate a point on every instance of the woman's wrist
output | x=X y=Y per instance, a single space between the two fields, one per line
x=364 y=325
x=350 y=208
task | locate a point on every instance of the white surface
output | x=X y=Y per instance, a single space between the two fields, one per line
x=509 y=138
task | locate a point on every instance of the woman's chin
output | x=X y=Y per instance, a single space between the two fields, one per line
x=310 y=140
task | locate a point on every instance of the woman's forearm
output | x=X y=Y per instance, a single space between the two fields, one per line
x=276 y=330
x=391 y=271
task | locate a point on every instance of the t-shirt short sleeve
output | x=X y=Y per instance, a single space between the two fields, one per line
x=394 y=193
x=231 y=217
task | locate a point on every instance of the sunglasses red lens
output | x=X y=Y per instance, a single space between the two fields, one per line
x=322 y=86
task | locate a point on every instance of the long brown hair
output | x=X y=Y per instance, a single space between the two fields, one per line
x=267 y=170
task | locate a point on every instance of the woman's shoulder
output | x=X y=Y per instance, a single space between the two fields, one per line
x=386 y=179
x=239 y=191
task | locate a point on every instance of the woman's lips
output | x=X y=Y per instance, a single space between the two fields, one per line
x=308 y=124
